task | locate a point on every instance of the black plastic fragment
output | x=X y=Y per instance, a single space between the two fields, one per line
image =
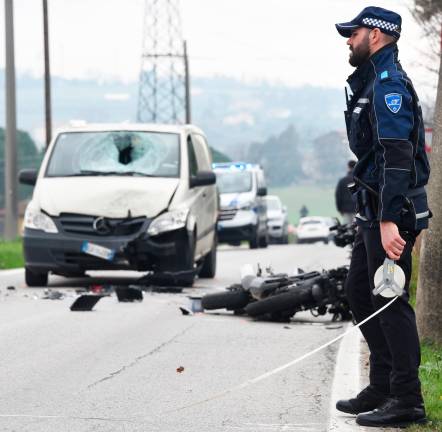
x=86 y=302
x=168 y=278
x=128 y=294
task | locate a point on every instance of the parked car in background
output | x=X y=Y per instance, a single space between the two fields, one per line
x=117 y=197
x=277 y=220
x=314 y=228
x=243 y=212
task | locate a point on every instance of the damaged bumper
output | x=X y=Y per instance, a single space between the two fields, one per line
x=63 y=253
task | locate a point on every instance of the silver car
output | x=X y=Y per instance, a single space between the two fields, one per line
x=277 y=220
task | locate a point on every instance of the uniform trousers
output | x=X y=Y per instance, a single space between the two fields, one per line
x=392 y=335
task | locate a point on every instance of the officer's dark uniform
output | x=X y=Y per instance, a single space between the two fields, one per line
x=386 y=132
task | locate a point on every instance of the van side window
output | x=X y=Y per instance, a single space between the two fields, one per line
x=193 y=165
x=203 y=155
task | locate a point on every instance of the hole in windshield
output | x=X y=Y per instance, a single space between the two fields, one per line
x=115 y=153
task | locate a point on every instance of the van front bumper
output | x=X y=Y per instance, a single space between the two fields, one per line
x=62 y=253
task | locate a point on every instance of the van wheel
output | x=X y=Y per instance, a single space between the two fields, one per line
x=33 y=279
x=208 y=269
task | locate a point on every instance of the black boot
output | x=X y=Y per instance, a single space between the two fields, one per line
x=367 y=400
x=393 y=413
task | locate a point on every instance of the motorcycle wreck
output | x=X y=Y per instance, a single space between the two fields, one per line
x=278 y=296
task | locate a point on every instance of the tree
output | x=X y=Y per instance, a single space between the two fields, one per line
x=331 y=156
x=429 y=290
x=279 y=156
x=28 y=156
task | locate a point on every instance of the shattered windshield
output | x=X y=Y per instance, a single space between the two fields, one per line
x=125 y=153
x=234 y=181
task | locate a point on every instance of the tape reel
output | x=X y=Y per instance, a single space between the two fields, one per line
x=398 y=281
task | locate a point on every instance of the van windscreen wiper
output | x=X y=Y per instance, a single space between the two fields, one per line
x=85 y=173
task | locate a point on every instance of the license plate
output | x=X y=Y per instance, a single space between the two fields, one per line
x=97 y=250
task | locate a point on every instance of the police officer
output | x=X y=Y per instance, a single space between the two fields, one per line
x=343 y=198
x=386 y=133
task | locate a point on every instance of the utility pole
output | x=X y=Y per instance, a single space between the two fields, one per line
x=187 y=78
x=48 y=110
x=10 y=159
x=163 y=94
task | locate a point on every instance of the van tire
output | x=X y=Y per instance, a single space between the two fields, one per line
x=231 y=300
x=208 y=270
x=34 y=279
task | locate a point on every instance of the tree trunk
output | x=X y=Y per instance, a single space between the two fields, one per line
x=429 y=287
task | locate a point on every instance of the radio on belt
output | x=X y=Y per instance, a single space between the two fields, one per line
x=389 y=280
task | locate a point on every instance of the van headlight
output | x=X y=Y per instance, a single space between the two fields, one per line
x=169 y=221
x=247 y=206
x=35 y=219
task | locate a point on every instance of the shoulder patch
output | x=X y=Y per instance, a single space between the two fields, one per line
x=384 y=75
x=393 y=102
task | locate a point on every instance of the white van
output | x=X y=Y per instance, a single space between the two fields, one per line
x=243 y=211
x=116 y=197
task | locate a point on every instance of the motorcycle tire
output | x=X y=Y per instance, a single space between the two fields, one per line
x=288 y=301
x=231 y=300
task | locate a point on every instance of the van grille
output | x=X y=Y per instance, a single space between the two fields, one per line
x=227 y=214
x=87 y=225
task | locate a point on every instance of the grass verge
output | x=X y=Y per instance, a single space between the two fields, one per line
x=11 y=254
x=430 y=372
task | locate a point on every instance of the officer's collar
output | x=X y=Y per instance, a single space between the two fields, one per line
x=365 y=71
x=385 y=56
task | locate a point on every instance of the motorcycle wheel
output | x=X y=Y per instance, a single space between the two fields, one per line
x=231 y=300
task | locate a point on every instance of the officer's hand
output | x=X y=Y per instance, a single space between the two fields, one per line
x=392 y=242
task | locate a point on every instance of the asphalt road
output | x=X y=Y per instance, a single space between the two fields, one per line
x=115 y=369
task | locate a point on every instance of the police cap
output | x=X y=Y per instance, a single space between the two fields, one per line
x=388 y=22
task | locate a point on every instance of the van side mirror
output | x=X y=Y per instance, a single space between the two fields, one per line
x=203 y=178
x=262 y=191
x=28 y=176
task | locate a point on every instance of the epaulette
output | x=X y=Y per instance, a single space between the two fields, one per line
x=384 y=76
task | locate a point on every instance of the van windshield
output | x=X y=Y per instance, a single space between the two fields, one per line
x=234 y=181
x=125 y=153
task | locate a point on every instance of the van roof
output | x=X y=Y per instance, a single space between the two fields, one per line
x=147 y=127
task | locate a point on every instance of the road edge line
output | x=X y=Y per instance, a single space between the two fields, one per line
x=11 y=271
x=346 y=381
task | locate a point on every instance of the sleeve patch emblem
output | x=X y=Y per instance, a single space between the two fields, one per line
x=393 y=102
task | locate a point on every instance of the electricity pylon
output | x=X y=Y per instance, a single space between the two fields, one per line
x=163 y=94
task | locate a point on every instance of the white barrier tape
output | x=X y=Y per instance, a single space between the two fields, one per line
x=283 y=367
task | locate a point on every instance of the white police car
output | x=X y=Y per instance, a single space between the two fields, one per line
x=243 y=212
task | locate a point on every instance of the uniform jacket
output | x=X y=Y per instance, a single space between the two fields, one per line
x=386 y=133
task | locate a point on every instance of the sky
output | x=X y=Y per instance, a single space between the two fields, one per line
x=293 y=42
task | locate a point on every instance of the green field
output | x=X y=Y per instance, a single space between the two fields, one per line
x=11 y=254
x=320 y=200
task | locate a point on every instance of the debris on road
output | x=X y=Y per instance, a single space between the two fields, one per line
x=52 y=295
x=86 y=302
x=180 y=369
x=128 y=294
x=11 y=288
x=185 y=311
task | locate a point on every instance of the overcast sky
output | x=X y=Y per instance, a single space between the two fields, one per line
x=288 y=41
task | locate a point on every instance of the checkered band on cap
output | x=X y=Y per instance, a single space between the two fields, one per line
x=384 y=25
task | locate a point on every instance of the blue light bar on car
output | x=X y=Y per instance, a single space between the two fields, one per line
x=233 y=165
